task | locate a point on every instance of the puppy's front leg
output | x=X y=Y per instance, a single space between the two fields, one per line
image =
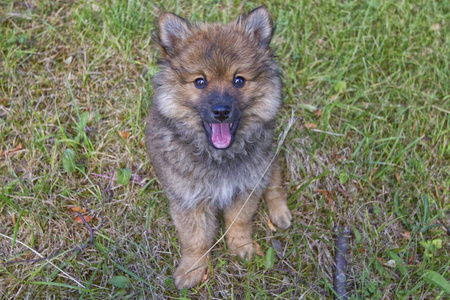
x=196 y=228
x=239 y=237
x=276 y=199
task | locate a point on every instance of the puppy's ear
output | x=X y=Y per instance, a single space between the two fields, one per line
x=258 y=24
x=172 y=31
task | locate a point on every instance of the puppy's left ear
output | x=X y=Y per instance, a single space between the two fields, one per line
x=258 y=24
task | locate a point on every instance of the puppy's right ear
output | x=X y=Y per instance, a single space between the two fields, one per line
x=259 y=25
x=172 y=31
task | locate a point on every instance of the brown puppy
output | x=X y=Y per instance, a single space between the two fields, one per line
x=210 y=132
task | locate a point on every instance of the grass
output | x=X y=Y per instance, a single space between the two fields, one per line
x=368 y=81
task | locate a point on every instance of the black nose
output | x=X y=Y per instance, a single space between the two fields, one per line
x=221 y=112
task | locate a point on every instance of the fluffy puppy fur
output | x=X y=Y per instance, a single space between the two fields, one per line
x=210 y=132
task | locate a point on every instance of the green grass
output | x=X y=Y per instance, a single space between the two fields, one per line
x=75 y=74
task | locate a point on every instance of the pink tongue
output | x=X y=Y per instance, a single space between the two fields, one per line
x=221 y=137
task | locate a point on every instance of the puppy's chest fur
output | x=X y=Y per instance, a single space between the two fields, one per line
x=192 y=172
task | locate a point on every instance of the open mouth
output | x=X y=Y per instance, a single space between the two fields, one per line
x=221 y=134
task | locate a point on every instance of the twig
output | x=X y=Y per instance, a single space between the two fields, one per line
x=48 y=260
x=105 y=176
x=316 y=290
x=441 y=109
x=135 y=179
x=91 y=231
x=117 y=85
x=327 y=132
x=340 y=277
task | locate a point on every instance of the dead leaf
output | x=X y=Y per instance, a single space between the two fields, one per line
x=436 y=27
x=205 y=277
x=87 y=218
x=317 y=113
x=271 y=226
x=397 y=176
x=136 y=179
x=258 y=249
x=78 y=209
x=411 y=259
x=406 y=235
x=3 y=100
x=327 y=196
x=12 y=151
x=390 y=263
x=124 y=134
x=276 y=244
x=68 y=60
x=95 y=7
x=339 y=157
x=310 y=126
x=344 y=192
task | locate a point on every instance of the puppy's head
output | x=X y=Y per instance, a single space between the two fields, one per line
x=215 y=78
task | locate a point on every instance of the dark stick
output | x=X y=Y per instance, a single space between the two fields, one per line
x=91 y=231
x=445 y=226
x=340 y=277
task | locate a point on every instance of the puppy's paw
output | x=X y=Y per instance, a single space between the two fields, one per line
x=184 y=279
x=281 y=216
x=243 y=249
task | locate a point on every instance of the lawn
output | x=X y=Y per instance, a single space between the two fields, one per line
x=367 y=81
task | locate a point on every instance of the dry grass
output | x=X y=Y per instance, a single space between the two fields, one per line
x=76 y=75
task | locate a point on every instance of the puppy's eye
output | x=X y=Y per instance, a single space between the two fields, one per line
x=239 y=81
x=200 y=83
